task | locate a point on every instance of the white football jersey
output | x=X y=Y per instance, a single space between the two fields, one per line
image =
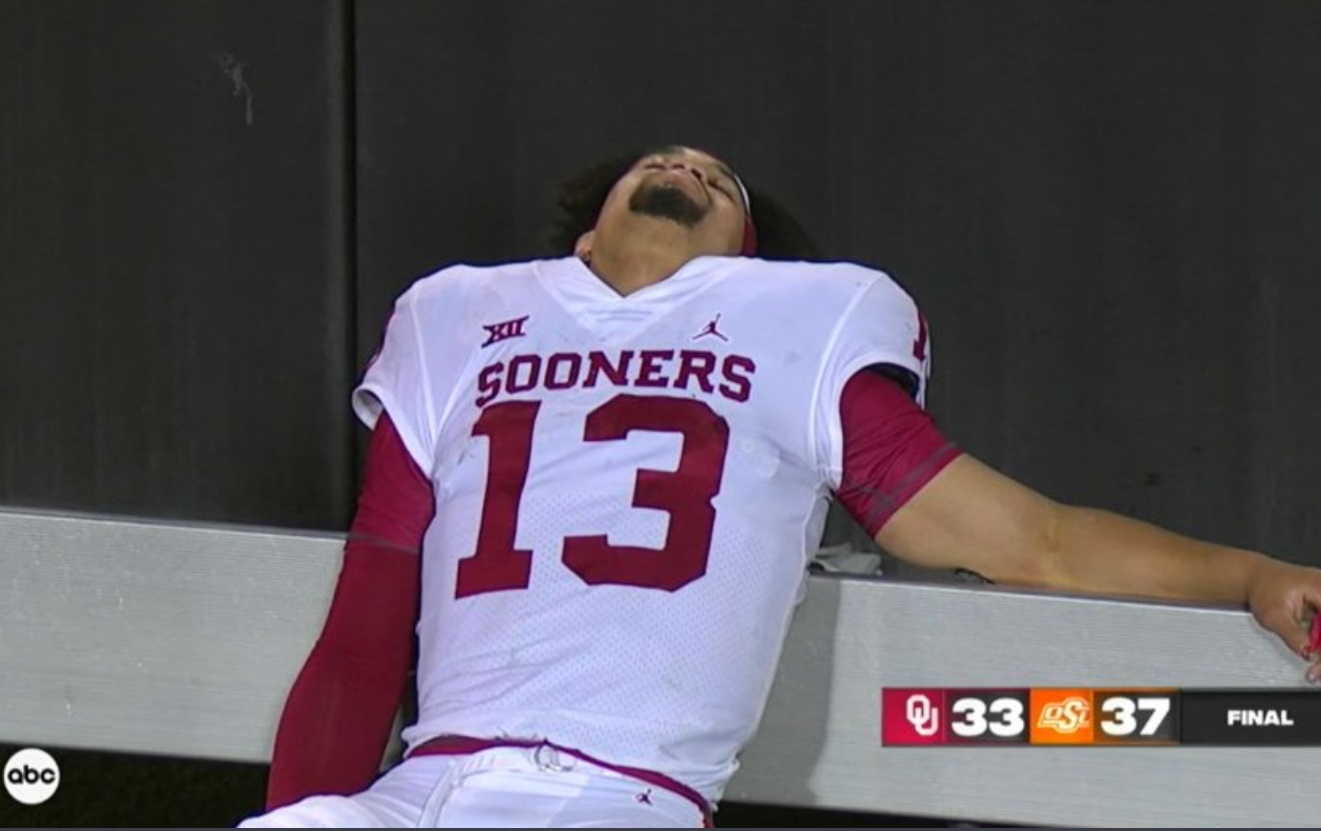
x=628 y=490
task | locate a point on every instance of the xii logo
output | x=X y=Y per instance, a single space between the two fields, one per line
x=504 y=330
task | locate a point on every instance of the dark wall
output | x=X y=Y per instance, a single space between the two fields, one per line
x=1107 y=210
x=175 y=320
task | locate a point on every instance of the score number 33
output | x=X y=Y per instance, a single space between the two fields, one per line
x=685 y=493
x=975 y=717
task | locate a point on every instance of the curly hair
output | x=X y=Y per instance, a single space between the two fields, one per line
x=580 y=199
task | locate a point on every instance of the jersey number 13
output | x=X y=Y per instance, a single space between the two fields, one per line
x=685 y=494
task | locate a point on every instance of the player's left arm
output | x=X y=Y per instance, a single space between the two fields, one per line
x=931 y=504
x=971 y=516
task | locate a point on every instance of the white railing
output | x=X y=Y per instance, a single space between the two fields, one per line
x=181 y=640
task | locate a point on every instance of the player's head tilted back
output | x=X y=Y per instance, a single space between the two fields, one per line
x=674 y=197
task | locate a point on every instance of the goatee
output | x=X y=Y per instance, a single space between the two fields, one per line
x=666 y=202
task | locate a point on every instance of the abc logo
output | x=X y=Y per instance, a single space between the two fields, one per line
x=31 y=776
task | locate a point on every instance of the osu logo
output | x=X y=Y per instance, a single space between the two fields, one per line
x=31 y=776
x=1067 y=716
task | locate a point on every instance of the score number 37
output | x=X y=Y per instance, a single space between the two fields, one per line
x=1119 y=715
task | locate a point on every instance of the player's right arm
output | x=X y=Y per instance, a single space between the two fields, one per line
x=337 y=718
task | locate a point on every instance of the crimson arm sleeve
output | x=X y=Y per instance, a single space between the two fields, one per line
x=892 y=448
x=337 y=718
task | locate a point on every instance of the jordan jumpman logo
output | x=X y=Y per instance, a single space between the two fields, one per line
x=711 y=329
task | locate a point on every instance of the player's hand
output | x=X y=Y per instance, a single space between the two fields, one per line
x=1285 y=599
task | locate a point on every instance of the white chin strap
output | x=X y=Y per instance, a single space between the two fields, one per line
x=743 y=191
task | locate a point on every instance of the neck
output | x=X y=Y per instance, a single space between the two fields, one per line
x=641 y=259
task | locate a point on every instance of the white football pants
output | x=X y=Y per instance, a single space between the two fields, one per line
x=505 y=787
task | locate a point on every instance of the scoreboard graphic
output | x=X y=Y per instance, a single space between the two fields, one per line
x=1091 y=716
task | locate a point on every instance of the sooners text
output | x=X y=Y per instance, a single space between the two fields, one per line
x=684 y=369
